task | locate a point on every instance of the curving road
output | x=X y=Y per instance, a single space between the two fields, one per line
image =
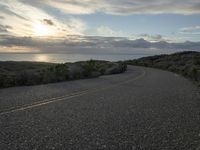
x=142 y=109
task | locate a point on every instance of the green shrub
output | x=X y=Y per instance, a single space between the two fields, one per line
x=89 y=67
x=27 y=73
x=28 y=78
x=102 y=70
x=122 y=67
x=194 y=73
x=184 y=63
x=55 y=73
x=7 y=81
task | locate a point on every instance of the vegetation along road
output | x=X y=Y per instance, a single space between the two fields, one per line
x=142 y=109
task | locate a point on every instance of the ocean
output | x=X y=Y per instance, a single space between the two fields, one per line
x=62 y=58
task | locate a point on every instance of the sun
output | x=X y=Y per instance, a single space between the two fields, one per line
x=42 y=30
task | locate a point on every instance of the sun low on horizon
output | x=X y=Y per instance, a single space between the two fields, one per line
x=88 y=23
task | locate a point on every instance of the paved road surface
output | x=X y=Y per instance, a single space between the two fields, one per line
x=142 y=109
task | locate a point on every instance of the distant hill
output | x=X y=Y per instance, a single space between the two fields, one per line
x=185 y=63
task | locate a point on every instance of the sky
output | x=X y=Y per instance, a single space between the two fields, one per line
x=26 y=25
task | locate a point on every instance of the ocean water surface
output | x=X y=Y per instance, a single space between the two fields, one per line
x=61 y=58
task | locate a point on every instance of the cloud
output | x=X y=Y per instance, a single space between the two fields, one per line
x=125 y=7
x=148 y=37
x=4 y=28
x=18 y=49
x=48 y=22
x=25 y=19
x=74 y=7
x=22 y=21
x=107 y=31
x=88 y=44
x=190 y=30
x=153 y=37
x=5 y=9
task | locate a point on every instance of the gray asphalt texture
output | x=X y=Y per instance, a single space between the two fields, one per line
x=142 y=109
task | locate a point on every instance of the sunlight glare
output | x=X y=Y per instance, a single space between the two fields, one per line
x=41 y=58
x=42 y=30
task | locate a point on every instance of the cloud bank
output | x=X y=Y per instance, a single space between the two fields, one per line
x=122 y=7
x=89 y=44
x=55 y=25
x=24 y=15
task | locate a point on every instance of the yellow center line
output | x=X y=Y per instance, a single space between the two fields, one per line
x=66 y=97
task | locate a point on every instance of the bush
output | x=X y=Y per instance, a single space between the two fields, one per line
x=184 y=63
x=194 y=73
x=7 y=80
x=55 y=73
x=89 y=67
x=122 y=67
x=116 y=68
x=34 y=73
x=28 y=78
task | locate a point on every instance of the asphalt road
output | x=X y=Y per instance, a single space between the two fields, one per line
x=142 y=109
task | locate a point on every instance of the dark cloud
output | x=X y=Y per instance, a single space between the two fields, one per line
x=89 y=44
x=4 y=28
x=8 y=11
x=48 y=22
x=9 y=40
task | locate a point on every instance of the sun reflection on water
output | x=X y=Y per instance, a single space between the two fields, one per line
x=42 y=58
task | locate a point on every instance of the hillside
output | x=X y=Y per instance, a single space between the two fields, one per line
x=32 y=73
x=185 y=63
